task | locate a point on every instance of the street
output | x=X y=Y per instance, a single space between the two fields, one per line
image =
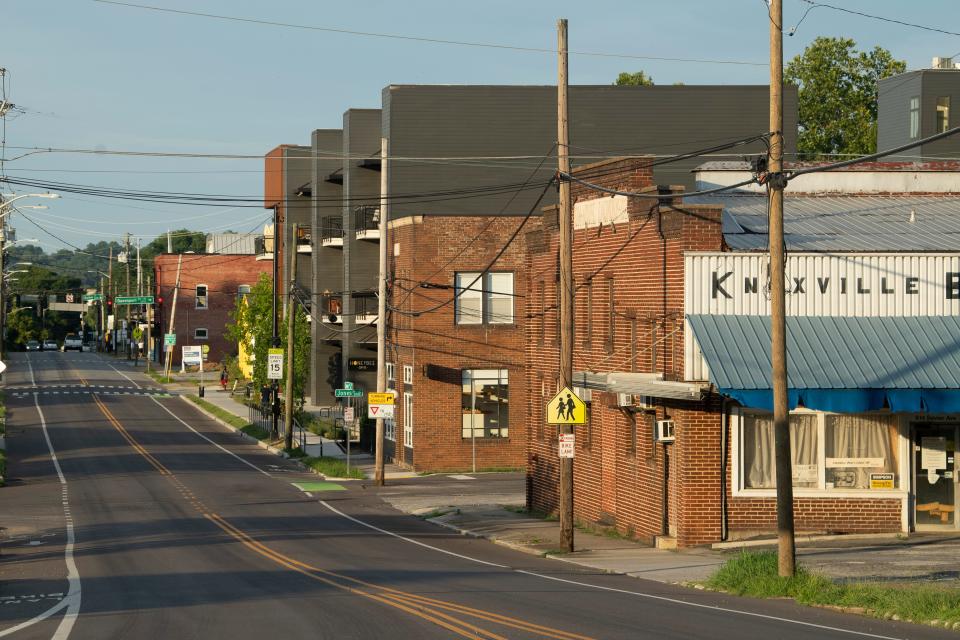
x=164 y=525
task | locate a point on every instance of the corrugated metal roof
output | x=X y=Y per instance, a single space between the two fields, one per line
x=843 y=223
x=231 y=243
x=919 y=352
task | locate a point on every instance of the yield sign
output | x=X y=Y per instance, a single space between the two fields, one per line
x=384 y=411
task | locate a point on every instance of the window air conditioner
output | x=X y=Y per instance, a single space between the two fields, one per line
x=624 y=400
x=664 y=431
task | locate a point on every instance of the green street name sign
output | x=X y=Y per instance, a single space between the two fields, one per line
x=93 y=297
x=133 y=300
x=348 y=393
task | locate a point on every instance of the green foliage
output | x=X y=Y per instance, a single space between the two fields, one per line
x=333 y=468
x=838 y=95
x=253 y=325
x=638 y=79
x=755 y=574
x=3 y=467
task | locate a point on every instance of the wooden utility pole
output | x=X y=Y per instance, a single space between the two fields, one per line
x=775 y=185
x=565 y=219
x=291 y=330
x=113 y=342
x=173 y=315
x=382 y=307
x=128 y=331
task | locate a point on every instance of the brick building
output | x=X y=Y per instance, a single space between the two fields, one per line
x=672 y=355
x=457 y=367
x=209 y=286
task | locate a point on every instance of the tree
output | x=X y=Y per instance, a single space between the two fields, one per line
x=838 y=96
x=253 y=325
x=638 y=79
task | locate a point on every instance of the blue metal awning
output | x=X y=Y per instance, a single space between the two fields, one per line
x=842 y=364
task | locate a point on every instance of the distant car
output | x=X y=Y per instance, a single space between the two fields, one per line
x=50 y=345
x=33 y=345
x=72 y=341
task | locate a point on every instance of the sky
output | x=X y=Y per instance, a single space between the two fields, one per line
x=91 y=75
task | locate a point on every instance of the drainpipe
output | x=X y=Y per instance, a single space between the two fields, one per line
x=724 y=533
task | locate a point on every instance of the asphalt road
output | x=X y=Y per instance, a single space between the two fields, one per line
x=165 y=525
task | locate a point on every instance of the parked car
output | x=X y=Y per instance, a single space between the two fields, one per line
x=72 y=341
x=50 y=345
x=33 y=345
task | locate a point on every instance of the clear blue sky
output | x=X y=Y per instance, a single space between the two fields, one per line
x=93 y=75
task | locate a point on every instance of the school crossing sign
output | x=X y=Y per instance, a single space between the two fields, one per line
x=566 y=408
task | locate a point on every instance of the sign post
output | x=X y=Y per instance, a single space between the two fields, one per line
x=169 y=339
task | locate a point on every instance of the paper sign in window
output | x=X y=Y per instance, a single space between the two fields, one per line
x=843 y=463
x=933 y=453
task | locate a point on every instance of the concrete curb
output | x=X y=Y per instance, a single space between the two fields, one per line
x=772 y=542
x=259 y=443
x=485 y=536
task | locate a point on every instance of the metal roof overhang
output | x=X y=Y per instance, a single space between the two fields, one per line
x=840 y=364
x=641 y=384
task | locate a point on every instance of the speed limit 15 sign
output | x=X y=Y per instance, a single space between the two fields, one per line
x=274 y=364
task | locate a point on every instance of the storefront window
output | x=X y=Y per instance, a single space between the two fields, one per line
x=860 y=447
x=759 y=466
x=485 y=404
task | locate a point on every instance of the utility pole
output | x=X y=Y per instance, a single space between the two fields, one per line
x=103 y=315
x=113 y=342
x=378 y=474
x=3 y=285
x=128 y=332
x=565 y=219
x=149 y=342
x=786 y=550
x=275 y=341
x=291 y=330
x=168 y=361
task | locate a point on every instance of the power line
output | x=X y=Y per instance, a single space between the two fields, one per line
x=371 y=34
x=913 y=25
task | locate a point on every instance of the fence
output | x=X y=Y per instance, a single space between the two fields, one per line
x=262 y=417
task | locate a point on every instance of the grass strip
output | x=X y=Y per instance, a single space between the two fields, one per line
x=755 y=574
x=233 y=420
x=160 y=378
x=333 y=468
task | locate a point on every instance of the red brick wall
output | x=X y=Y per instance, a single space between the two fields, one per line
x=433 y=249
x=223 y=274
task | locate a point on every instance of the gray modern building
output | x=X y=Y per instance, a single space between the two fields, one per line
x=919 y=104
x=487 y=150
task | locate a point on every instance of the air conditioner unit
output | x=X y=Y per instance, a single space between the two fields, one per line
x=646 y=402
x=624 y=400
x=664 y=430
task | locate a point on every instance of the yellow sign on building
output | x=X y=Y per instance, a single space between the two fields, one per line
x=566 y=408
x=379 y=398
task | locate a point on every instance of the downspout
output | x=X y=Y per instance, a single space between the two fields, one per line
x=724 y=533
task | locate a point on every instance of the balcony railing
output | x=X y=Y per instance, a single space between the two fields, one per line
x=364 y=309
x=331 y=231
x=304 y=240
x=331 y=308
x=366 y=222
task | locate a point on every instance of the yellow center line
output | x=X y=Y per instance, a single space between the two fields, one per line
x=423 y=607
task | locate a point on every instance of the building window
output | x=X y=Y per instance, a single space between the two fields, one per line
x=484 y=300
x=200 y=334
x=611 y=316
x=391 y=372
x=485 y=403
x=407 y=374
x=831 y=452
x=943 y=114
x=408 y=419
x=202 y=296
x=914 y=118
x=588 y=334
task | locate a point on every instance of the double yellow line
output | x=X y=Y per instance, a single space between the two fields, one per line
x=448 y=615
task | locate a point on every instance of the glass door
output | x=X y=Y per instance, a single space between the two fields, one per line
x=934 y=468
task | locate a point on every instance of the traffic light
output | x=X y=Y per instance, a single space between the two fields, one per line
x=109 y=305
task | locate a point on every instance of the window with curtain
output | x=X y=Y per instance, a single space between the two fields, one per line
x=486 y=299
x=485 y=404
x=759 y=468
x=858 y=445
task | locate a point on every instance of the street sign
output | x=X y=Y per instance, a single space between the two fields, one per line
x=347 y=393
x=384 y=411
x=3 y=366
x=566 y=446
x=192 y=355
x=348 y=414
x=92 y=297
x=274 y=364
x=169 y=339
x=347 y=384
x=566 y=408
x=380 y=398
x=133 y=300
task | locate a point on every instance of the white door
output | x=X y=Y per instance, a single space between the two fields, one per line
x=408 y=419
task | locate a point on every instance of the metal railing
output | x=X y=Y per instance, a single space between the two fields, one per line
x=331 y=227
x=262 y=417
x=366 y=218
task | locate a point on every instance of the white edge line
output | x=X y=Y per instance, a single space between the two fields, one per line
x=124 y=375
x=227 y=451
x=73 y=599
x=602 y=588
x=410 y=540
